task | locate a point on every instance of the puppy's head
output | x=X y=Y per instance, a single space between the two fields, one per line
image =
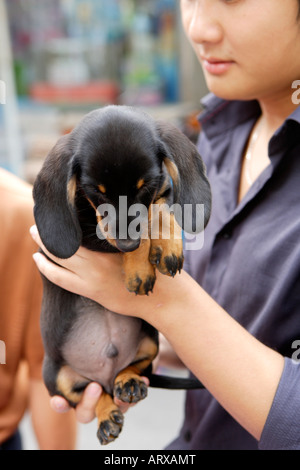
x=115 y=152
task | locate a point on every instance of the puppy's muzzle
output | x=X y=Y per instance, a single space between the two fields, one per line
x=128 y=245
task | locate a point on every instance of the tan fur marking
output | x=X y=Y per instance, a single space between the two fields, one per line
x=162 y=189
x=111 y=240
x=172 y=170
x=145 y=355
x=166 y=227
x=140 y=183
x=104 y=407
x=166 y=237
x=102 y=227
x=71 y=190
x=131 y=372
x=102 y=188
x=66 y=379
x=137 y=266
x=110 y=419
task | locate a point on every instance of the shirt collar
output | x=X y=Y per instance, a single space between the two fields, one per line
x=295 y=116
x=288 y=135
x=220 y=115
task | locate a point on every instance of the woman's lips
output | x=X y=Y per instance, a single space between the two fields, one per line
x=216 y=66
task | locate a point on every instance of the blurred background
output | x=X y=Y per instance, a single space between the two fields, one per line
x=59 y=59
x=62 y=58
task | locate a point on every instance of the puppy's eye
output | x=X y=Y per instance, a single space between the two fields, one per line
x=97 y=189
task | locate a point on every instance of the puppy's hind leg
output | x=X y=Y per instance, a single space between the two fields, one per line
x=110 y=419
x=63 y=381
x=128 y=386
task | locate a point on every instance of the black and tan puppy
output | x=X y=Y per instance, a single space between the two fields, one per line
x=115 y=154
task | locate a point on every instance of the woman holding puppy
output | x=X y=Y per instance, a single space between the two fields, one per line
x=232 y=316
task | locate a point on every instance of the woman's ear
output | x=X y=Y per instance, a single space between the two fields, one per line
x=188 y=174
x=54 y=196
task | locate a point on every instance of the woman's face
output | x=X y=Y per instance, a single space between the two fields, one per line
x=249 y=49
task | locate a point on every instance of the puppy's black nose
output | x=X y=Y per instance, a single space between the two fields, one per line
x=128 y=245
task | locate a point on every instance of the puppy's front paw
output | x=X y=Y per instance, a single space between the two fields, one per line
x=141 y=282
x=139 y=272
x=131 y=390
x=110 y=428
x=167 y=256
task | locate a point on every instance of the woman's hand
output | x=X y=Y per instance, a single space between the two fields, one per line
x=94 y=275
x=85 y=410
x=80 y=274
x=100 y=277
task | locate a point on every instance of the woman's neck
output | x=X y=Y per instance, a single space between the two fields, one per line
x=276 y=109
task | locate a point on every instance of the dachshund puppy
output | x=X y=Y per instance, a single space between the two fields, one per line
x=116 y=154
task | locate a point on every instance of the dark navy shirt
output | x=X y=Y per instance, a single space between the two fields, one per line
x=250 y=264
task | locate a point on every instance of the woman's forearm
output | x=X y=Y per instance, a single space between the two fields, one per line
x=239 y=371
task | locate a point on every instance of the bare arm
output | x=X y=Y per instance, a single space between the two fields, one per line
x=238 y=370
x=53 y=431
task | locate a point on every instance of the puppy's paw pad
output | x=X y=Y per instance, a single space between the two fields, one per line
x=155 y=255
x=172 y=264
x=131 y=391
x=141 y=286
x=166 y=261
x=110 y=429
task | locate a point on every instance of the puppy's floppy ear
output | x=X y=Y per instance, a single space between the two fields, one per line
x=188 y=174
x=54 y=196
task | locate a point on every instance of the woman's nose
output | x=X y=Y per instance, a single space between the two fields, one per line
x=201 y=22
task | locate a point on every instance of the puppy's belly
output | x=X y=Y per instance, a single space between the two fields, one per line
x=101 y=343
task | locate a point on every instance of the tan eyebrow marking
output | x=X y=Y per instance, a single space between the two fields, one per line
x=102 y=188
x=140 y=183
x=172 y=169
x=71 y=190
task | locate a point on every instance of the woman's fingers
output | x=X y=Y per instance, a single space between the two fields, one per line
x=85 y=410
x=65 y=273
x=84 y=273
x=36 y=237
x=59 y=404
x=56 y=274
x=68 y=263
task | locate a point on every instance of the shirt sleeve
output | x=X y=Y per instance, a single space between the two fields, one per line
x=282 y=428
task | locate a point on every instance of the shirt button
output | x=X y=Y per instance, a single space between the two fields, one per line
x=227 y=235
x=187 y=436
